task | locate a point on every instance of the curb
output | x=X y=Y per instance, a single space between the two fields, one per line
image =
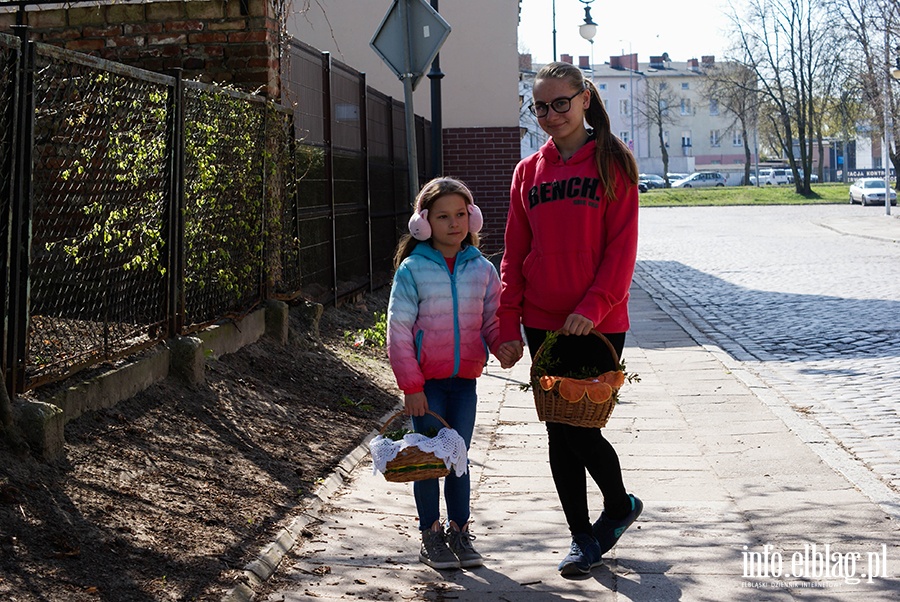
x=267 y=560
x=842 y=228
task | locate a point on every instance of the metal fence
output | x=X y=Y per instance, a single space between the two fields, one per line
x=352 y=167
x=137 y=206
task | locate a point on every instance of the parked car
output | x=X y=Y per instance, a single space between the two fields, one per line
x=701 y=179
x=813 y=178
x=775 y=176
x=674 y=177
x=651 y=180
x=870 y=191
x=752 y=181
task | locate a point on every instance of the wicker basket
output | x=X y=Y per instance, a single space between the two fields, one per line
x=552 y=406
x=413 y=464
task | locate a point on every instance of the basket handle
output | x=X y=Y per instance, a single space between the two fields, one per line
x=403 y=413
x=594 y=331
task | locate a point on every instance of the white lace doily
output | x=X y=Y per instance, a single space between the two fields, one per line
x=447 y=445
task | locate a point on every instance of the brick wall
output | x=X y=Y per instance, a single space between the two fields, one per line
x=212 y=40
x=484 y=158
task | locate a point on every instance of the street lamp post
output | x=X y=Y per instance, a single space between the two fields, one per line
x=886 y=139
x=588 y=30
x=632 y=67
x=888 y=122
x=554 y=31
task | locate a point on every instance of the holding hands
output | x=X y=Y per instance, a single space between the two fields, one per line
x=509 y=353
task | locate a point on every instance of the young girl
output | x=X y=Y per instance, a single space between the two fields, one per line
x=571 y=245
x=441 y=323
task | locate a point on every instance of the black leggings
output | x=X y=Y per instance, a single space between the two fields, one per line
x=574 y=449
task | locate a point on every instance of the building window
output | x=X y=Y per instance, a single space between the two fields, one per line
x=624 y=137
x=737 y=139
x=686 y=139
x=606 y=103
x=714 y=138
x=623 y=107
x=623 y=86
x=685 y=106
x=663 y=107
x=666 y=138
x=685 y=86
x=601 y=86
x=713 y=106
x=663 y=85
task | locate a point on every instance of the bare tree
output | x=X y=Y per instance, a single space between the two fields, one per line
x=734 y=87
x=869 y=25
x=782 y=42
x=653 y=109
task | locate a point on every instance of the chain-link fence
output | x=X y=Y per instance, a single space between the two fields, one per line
x=137 y=206
x=96 y=258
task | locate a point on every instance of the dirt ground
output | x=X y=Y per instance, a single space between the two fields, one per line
x=168 y=495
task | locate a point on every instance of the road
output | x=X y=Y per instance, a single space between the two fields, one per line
x=812 y=312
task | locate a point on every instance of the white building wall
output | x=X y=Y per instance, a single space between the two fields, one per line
x=479 y=59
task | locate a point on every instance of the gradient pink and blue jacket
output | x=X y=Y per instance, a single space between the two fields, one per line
x=442 y=325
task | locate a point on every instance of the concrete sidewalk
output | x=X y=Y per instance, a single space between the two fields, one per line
x=738 y=505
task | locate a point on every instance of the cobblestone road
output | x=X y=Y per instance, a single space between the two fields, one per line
x=813 y=312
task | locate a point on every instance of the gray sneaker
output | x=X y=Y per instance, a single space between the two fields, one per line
x=435 y=552
x=461 y=545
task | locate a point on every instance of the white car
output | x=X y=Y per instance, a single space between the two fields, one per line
x=700 y=179
x=870 y=191
x=775 y=176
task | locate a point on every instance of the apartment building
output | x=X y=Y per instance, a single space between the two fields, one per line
x=698 y=134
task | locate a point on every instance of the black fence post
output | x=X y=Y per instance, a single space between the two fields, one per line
x=266 y=148
x=174 y=227
x=8 y=152
x=329 y=167
x=7 y=171
x=364 y=147
x=20 y=219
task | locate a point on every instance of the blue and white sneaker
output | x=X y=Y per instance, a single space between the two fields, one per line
x=584 y=554
x=608 y=531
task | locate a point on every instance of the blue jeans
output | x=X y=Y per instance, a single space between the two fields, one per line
x=454 y=400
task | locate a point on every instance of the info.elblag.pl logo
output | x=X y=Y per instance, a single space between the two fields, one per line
x=815 y=562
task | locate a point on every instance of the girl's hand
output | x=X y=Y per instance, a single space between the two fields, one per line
x=415 y=403
x=509 y=353
x=578 y=325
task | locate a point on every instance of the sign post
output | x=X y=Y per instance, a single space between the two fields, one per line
x=409 y=37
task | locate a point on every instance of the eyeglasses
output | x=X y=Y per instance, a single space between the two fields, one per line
x=559 y=105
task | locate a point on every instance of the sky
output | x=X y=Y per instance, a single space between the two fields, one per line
x=648 y=27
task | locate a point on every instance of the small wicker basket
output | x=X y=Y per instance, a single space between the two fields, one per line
x=413 y=464
x=585 y=402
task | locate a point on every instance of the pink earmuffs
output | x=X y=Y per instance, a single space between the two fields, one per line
x=420 y=229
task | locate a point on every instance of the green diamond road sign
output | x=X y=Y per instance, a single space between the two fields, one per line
x=409 y=47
